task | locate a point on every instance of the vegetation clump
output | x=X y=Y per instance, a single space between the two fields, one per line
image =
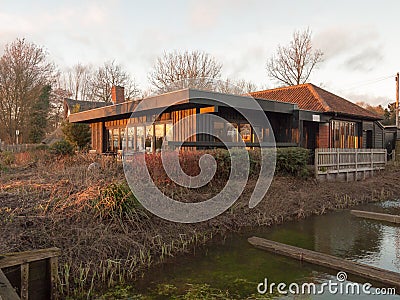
x=62 y=147
x=117 y=200
x=292 y=161
x=7 y=158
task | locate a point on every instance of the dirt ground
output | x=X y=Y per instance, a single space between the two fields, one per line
x=50 y=202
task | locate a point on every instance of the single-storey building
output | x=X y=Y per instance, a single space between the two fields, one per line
x=336 y=122
x=304 y=116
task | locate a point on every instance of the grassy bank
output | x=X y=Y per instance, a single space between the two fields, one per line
x=107 y=238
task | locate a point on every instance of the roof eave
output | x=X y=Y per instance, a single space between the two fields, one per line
x=354 y=116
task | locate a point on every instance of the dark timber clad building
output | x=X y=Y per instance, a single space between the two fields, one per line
x=302 y=116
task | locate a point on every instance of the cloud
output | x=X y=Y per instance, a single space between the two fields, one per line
x=359 y=49
x=367 y=98
x=336 y=41
x=365 y=60
x=206 y=14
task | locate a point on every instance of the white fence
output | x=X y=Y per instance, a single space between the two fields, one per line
x=17 y=147
x=348 y=164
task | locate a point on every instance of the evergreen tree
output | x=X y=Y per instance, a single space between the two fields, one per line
x=389 y=117
x=38 y=116
x=76 y=133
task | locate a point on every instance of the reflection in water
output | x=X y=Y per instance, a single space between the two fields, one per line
x=397 y=258
x=342 y=235
x=238 y=267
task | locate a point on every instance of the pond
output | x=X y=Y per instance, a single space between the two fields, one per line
x=234 y=268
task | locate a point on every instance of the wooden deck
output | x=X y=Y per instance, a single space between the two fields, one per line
x=348 y=164
x=389 y=278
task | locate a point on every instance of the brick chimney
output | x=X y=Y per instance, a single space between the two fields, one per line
x=117 y=94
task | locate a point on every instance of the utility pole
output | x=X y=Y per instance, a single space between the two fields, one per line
x=397 y=100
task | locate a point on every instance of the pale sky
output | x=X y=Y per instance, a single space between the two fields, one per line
x=360 y=39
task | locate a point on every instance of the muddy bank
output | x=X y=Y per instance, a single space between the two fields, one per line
x=59 y=203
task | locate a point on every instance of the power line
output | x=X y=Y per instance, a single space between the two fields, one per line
x=367 y=82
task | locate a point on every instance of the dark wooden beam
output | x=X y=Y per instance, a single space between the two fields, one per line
x=376 y=216
x=19 y=258
x=7 y=292
x=369 y=272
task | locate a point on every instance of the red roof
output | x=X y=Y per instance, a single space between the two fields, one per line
x=310 y=97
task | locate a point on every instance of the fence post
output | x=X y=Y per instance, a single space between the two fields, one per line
x=372 y=159
x=385 y=157
x=337 y=160
x=356 y=161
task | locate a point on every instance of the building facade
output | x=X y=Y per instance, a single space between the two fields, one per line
x=300 y=116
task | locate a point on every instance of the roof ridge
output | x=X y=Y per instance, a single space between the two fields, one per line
x=281 y=88
x=318 y=96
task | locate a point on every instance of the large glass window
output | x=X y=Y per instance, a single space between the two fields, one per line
x=245 y=132
x=110 y=140
x=115 y=139
x=140 y=138
x=135 y=135
x=169 y=134
x=219 y=130
x=232 y=132
x=122 y=139
x=159 y=134
x=344 y=134
x=131 y=139
x=149 y=138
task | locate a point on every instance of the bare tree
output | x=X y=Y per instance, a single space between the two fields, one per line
x=108 y=75
x=178 y=70
x=24 y=71
x=292 y=64
x=238 y=87
x=77 y=81
x=56 y=112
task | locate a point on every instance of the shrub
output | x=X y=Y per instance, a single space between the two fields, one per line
x=23 y=158
x=117 y=200
x=62 y=147
x=289 y=161
x=42 y=147
x=76 y=133
x=292 y=161
x=7 y=158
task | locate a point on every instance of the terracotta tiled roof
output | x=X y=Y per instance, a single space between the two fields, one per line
x=310 y=97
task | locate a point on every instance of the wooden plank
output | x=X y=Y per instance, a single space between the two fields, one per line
x=25 y=281
x=39 y=280
x=53 y=276
x=7 y=292
x=392 y=279
x=13 y=259
x=376 y=216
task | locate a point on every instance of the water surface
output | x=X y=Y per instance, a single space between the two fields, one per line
x=237 y=267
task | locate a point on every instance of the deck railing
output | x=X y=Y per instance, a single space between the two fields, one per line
x=348 y=164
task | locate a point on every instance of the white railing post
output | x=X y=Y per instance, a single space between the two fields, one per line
x=372 y=159
x=337 y=160
x=385 y=157
x=356 y=160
